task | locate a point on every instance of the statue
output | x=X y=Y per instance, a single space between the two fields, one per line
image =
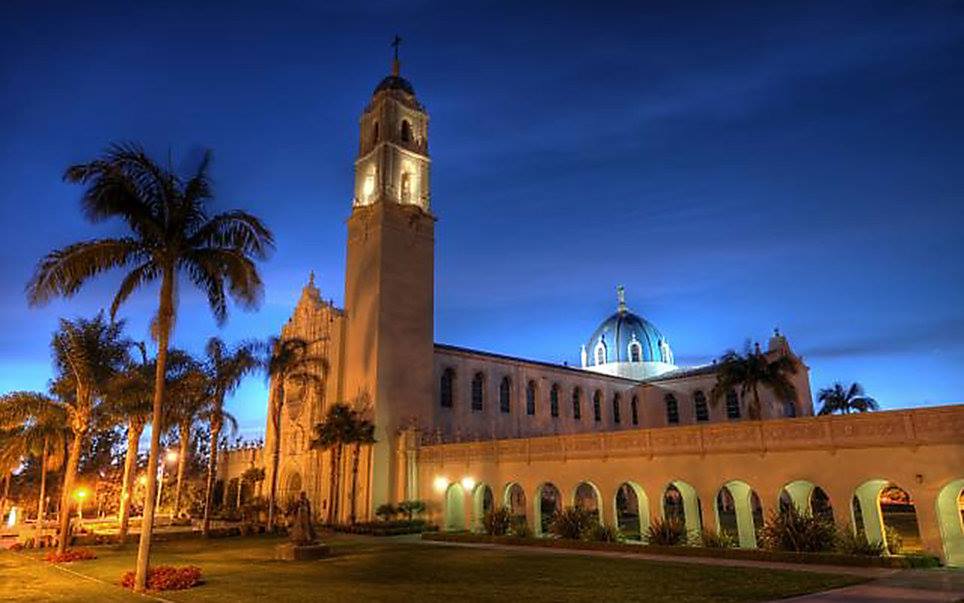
x=302 y=531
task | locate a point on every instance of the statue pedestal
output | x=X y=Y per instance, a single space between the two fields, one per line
x=301 y=552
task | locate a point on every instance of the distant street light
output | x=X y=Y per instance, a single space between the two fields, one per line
x=169 y=457
x=80 y=494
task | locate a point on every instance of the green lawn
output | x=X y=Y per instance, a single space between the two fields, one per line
x=371 y=569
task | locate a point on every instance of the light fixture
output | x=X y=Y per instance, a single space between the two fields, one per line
x=171 y=456
x=468 y=483
x=441 y=483
x=80 y=493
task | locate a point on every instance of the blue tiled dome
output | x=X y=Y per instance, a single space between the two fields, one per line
x=623 y=329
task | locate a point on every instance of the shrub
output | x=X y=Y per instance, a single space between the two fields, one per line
x=603 y=533
x=520 y=528
x=712 y=540
x=386 y=512
x=895 y=544
x=497 y=522
x=70 y=555
x=16 y=547
x=791 y=530
x=857 y=544
x=666 y=532
x=411 y=508
x=166 y=577
x=572 y=523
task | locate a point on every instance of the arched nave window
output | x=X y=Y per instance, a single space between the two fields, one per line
x=446 y=386
x=554 y=400
x=478 y=388
x=505 y=391
x=701 y=410
x=597 y=406
x=576 y=403
x=531 y=398
x=634 y=409
x=732 y=405
x=616 y=402
x=672 y=410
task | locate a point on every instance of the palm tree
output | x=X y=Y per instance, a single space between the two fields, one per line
x=188 y=393
x=37 y=426
x=87 y=354
x=129 y=402
x=171 y=233
x=837 y=398
x=751 y=370
x=287 y=359
x=225 y=368
x=362 y=434
x=331 y=435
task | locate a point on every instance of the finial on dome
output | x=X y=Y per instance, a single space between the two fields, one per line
x=395 y=64
x=621 y=298
x=311 y=278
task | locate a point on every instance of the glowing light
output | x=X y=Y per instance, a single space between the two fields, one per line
x=441 y=483
x=368 y=187
x=12 y=518
x=81 y=493
x=171 y=456
x=143 y=480
x=468 y=483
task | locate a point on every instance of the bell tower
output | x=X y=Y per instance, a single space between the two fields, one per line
x=389 y=280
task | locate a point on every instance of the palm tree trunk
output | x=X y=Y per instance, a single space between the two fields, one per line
x=209 y=486
x=127 y=487
x=356 y=452
x=336 y=501
x=165 y=317
x=275 y=450
x=331 y=487
x=237 y=505
x=756 y=408
x=6 y=494
x=70 y=476
x=185 y=434
x=43 y=494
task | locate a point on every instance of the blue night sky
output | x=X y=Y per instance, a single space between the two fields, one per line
x=735 y=165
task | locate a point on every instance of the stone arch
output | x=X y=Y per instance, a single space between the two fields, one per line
x=681 y=502
x=807 y=497
x=739 y=512
x=950 y=519
x=546 y=502
x=293 y=486
x=455 y=507
x=631 y=510
x=879 y=504
x=482 y=502
x=514 y=499
x=586 y=496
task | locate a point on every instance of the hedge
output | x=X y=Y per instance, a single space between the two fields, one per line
x=385 y=528
x=897 y=561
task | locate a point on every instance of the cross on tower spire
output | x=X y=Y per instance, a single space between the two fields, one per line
x=395 y=64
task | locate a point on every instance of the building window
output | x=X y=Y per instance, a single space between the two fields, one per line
x=635 y=351
x=406 y=187
x=634 y=410
x=672 y=410
x=554 y=400
x=616 y=402
x=576 y=403
x=597 y=406
x=478 y=391
x=600 y=353
x=375 y=132
x=702 y=411
x=446 y=387
x=732 y=405
x=406 y=131
x=531 y=398
x=504 y=394
x=789 y=409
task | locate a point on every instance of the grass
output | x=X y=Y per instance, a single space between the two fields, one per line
x=243 y=569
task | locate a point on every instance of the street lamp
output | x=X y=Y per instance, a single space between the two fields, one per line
x=169 y=457
x=80 y=494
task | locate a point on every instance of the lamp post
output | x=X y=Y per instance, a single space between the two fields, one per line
x=169 y=457
x=80 y=494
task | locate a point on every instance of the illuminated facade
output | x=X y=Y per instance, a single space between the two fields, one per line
x=451 y=421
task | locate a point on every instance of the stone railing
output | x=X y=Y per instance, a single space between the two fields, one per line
x=910 y=428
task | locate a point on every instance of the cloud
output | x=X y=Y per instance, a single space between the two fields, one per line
x=901 y=339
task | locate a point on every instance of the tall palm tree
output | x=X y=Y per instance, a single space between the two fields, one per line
x=362 y=434
x=188 y=393
x=845 y=400
x=171 y=234
x=37 y=427
x=751 y=370
x=331 y=435
x=226 y=367
x=129 y=402
x=287 y=359
x=87 y=354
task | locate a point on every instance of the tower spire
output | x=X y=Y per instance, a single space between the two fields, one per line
x=395 y=64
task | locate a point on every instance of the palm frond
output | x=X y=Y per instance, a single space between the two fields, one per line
x=134 y=280
x=235 y=230
x=63 y=271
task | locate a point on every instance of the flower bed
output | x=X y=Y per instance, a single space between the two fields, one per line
x=167 y=577
x=897 y=561
x=69 y=556
x=386 y=528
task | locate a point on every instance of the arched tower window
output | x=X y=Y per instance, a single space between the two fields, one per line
x=576 y=403
x=616 y=403
x=789 y=409
x=554 y=400
x=406 y=187
x=600 y=353
x=478 y=391
x=635 y=351
x=732 y=405
x=701 y=410
x=505 y=390
x=406 y=134
x=531 y=398
x=597 y=406
x=634 y=409
x=672 y=410
x=446 y=387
